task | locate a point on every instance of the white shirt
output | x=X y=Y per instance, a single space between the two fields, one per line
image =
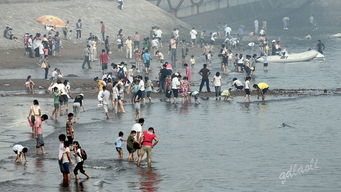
x=78 y=156
x=18 y=148
x=158 y=33
x=137 y=127
x=237 y=83
x=217 y=81
x=65 y=159
x=141 y=85
x=106 y=96
x=61 y=150
x=213 y=36
x=61 y=88
x=247 y=84
x=228 y=30
x=175 y=83
x=193 y=34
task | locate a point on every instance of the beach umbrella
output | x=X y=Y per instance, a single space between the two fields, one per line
x=51 y=20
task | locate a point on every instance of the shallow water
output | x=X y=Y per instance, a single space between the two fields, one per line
x=213 y=146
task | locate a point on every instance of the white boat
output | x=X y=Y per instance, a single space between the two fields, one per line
x=294 y=57
x=337 y=35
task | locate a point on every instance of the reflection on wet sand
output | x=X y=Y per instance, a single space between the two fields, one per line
x=149 y=179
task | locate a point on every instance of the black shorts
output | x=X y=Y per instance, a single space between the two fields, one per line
x=143 y=94
x=247 y=91
x=265 y=90
x=175 y=92
x=70 y=139
x=240 y=87
x=266 y=64
x=131 y=150
x=168 y=93
x=118 y=149
x=63 y=99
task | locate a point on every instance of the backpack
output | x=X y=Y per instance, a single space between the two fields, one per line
x=84 y=155
x=121 y=73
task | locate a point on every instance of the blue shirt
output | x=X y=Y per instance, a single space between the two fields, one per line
x=146 y=57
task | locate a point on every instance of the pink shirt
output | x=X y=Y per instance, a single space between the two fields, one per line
x=188 y=73
x=148 y=138
x=37 y=124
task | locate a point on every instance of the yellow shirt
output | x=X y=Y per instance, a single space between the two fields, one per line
x=263 y=85
x=100 y=85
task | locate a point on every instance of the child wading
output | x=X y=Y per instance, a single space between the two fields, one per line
x=118 y=145
x=80 y=156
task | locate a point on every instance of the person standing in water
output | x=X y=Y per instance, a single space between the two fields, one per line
x=118 y=145
x=204 y=73
x=34 y=113
x=262 y=88
x=217 y=85
x=79 y=156
x=320 y=46
x=69 y=128
x=147 y=143
x=38 y=133
x=247 y=88
x=56 y=103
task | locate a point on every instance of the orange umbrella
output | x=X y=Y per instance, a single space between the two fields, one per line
x=51 y=20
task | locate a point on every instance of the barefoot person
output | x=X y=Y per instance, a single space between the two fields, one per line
x=80 y=158
x=66 y=160
x=130 y=145
x=69 y=128
x=56 y=104
x=21 y=153
x=247 y=88
x=147 y=144
x=262 y=88
x=34 y=113
x=38 y=133
x=61 y=151
x=118 y=145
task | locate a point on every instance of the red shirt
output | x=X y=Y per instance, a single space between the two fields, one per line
x=148 y=138
x=104 y=57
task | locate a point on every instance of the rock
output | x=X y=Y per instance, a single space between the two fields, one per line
x=71 y=75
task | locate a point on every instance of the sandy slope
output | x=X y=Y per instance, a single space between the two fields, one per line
x=138 y=15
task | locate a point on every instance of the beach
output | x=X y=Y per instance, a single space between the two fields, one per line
x=210 y=145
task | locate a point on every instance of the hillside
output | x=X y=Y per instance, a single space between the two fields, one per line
x=137 y=15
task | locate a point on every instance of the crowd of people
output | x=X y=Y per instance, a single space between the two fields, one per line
x=130 y=82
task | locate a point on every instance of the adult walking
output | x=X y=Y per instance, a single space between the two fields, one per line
x=172 y=46
x=147 y=143
x=103 y=30
x=86 y=53
x=79 y=26
x=204 y=73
